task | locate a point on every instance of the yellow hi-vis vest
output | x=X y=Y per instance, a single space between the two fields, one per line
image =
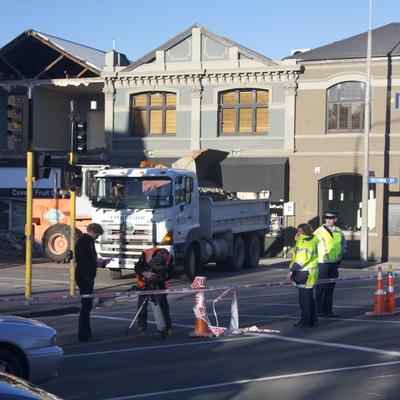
x=330 y=247
x=306 y=255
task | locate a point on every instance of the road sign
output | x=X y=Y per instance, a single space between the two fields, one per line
x=386 y=181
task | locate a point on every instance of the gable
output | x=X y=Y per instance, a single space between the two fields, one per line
x=180 y=52
x=213 y=50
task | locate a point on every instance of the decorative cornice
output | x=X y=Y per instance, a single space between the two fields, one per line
x=206 y=78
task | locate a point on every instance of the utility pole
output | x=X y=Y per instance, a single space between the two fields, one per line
x=72 y=159
x=365 y=183
x=29 y=200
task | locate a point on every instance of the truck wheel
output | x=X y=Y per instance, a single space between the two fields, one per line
x=115 y=274
x=235 y=262
x=56 y=242
x=10 y=364
x=253 y=251
x=191 y=264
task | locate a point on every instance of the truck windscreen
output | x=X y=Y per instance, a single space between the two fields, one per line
x=131 y=192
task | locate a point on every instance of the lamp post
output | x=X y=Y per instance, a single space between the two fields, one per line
x=365 y=184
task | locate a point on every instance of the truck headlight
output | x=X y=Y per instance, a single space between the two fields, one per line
x=168 y=238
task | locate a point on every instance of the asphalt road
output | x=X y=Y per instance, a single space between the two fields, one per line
x=352 y=357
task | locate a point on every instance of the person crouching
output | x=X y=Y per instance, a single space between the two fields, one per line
x=303 y=272
x=152 y=270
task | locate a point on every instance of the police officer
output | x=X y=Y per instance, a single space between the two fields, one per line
x=152 y=270
x=86 y=268
x=331 y=247
x=303 y=272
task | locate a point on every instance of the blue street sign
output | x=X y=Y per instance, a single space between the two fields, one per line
x=386 y=181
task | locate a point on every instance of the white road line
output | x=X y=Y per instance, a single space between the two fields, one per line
x=295 y=305
x=49 y=281
x=247 y=381
x=257 y=335
x=208 y=342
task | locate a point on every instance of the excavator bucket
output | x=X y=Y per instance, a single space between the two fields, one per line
x=207 y=165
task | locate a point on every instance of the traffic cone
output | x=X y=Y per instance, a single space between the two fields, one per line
x=201 y=328
x=390 y=299
x=379 y=298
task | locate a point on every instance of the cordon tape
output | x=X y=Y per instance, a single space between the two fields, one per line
x=135 y=293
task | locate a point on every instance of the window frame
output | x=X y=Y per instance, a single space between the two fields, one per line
x=148 y=108
x=350 y=103
x=237 y=107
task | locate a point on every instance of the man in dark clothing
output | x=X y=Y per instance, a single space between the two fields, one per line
x=86 y=268
x=152 y=270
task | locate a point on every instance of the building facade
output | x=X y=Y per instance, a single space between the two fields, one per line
x=328 y=154
x=200 y=90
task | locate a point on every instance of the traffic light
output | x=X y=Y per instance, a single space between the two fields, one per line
x=80 y=139
x=72 y=175
x=42 y=166
x=15 y=118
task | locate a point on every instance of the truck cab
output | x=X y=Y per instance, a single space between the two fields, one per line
x=139 y=207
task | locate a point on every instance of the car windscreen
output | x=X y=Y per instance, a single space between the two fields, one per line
x=132 y=192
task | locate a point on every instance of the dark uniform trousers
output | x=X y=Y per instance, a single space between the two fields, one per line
x=86 y=286
x=324 y=291
x=160 y=299
x=307 y=307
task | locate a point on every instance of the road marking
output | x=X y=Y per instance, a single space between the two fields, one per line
x=53 y=281
x=254 y=335
x=255 y=380
x=294 y=305
x=99 y=353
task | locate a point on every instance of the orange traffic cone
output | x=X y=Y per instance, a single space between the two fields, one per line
x=379 y=299
x=390 y=299
x=201 y=318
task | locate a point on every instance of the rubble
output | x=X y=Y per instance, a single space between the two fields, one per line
x=9 y=245
x=217 y=194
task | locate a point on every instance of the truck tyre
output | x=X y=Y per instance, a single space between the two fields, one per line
x=235 y=262
x=56 y=242
x=253 y=251
x=115 y=274
x=10 y=364
x=191 y=263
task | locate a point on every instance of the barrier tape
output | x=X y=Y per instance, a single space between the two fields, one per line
x=134 y=293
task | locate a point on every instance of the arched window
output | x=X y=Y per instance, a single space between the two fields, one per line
x=244 y=111
x=345 y=107
x=342 y=193
x=153 y=113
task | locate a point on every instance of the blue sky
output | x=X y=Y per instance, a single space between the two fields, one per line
x=271 y=28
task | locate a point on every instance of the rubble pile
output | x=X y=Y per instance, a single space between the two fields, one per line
x=10 y=245
x=217 y=194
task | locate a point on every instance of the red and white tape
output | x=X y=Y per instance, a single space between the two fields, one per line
x=134 y=293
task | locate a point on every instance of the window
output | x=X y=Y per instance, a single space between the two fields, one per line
x=153 y=114
x=345 y=107
x=244 y=111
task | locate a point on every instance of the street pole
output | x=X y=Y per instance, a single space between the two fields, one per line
x=365 y=184
x=29 y=200
x=72 y=199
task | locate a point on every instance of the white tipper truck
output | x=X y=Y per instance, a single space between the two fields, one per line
x=145 y=206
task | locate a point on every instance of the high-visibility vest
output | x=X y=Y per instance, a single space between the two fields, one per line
x=330 y=247
x=306 y=255
x=148 y=255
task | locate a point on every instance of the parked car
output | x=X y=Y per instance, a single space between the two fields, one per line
x=28 y=349
x=13 y=388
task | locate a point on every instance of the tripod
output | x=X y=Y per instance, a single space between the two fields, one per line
x=157 y=312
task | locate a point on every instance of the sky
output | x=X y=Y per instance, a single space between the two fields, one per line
x=272 y=28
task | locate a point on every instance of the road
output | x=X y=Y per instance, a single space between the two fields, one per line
x=351 y=356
